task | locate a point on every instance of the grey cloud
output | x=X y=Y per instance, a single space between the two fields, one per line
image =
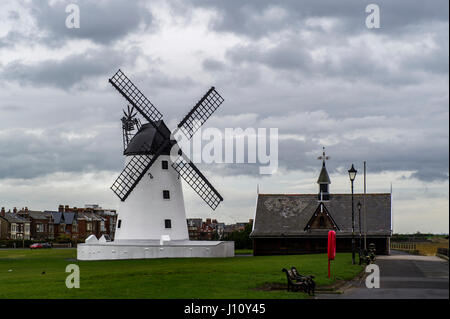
x=100 y=21
x=250 y=17
x=381 y=157
x=67 y=72
x=29 y=154
x=342 y=61
x=213 y=65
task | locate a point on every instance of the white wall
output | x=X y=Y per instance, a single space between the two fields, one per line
x=144 y=211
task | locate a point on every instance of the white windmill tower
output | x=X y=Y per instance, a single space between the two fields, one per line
x=152 y=209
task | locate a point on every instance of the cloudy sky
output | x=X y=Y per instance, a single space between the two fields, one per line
x=312 y=69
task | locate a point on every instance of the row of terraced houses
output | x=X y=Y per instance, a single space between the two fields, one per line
x=72 y=223
x=78 y=223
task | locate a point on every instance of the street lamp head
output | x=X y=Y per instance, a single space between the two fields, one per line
x=352 y=173
x=359 y=205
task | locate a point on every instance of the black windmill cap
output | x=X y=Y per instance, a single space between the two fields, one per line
x=148 y=139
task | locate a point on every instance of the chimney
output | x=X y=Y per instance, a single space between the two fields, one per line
x=66 y=208
x=15 y=210
x=60 y=208
x=2 y=212
x=26 y=210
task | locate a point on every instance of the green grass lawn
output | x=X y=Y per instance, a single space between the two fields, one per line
x=243 y=251
x=21 y=275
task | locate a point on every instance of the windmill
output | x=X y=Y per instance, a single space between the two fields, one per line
x=151 y=197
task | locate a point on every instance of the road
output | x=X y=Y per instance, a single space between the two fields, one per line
x=403 y=276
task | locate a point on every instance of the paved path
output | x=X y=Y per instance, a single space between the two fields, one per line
x=403 y=276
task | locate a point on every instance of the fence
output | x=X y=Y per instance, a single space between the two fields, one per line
x=443 y=251
x=426 y=249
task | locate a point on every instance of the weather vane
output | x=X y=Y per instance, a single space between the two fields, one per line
x=323 y=157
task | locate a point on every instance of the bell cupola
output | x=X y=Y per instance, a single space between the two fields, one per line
x=324 y=179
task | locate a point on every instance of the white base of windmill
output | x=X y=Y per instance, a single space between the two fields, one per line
x=143 y=213
x=95 y=249
x=141 y=229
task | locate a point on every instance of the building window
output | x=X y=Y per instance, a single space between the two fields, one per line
x=13 y=228
x=40 y=228
x=166 y=194
x=168 y=223
x=102 y=226
x=89 y=226
x=119 y=223
x=165 y=164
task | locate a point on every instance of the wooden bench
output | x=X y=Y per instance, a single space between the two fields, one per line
x=309 y=280
x=299 y=282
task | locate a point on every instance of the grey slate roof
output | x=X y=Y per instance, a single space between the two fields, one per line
x=39 y=215
x=62 y=218
x=14 y=218
x=280 y=215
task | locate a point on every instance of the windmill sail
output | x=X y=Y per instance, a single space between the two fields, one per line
x=200 y=113
x=135 y=169
x=191 y=174
x=133 y=95
x=131 y=175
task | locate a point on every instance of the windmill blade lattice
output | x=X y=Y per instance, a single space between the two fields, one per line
x=190 y=173
x=131 y=175
x=200 y=113
x=133 y=95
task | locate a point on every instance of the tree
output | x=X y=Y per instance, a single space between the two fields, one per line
x=241 y=238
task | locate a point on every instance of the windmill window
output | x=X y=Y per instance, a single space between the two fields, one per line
x=168 y=223
x=165 y=164
x=166 y=194
x=119 y=223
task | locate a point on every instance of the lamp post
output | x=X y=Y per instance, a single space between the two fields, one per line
x=360 y=232
x=352 y=174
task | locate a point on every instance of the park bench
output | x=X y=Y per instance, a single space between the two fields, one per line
x=297 y=283
x=309 y=280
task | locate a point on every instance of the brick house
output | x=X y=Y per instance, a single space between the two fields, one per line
x=13 y=226
x=92 y=220
x=75 y=223
x=41 y=223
